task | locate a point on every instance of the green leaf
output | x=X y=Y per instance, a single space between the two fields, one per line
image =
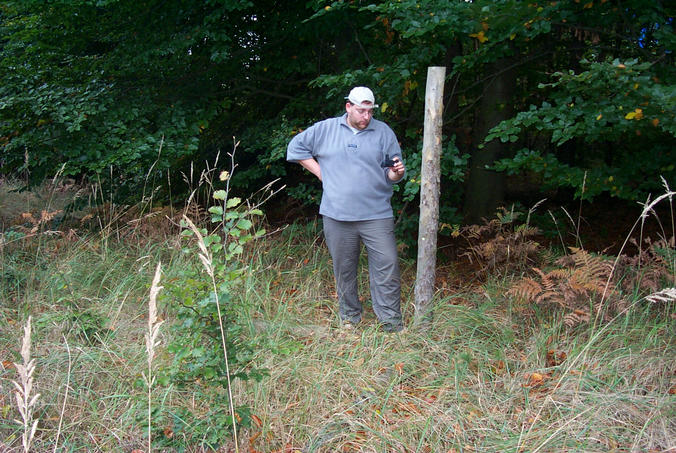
x=233 y=202
x=244 y=224
x=220 y=195
x=211 y=239
x=235 y=248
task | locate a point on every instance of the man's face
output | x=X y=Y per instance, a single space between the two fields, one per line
x=359 y=116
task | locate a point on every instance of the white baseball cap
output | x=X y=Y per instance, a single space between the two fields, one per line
x=360 y=94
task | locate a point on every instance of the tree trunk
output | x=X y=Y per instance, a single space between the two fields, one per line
x=485 y=188
x=429 y=195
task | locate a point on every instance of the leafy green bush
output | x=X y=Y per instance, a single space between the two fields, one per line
x=613 y=110
x=208 y=319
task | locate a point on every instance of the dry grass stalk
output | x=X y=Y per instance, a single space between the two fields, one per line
x=151 y=342
x=65 y=397
x=24 y=400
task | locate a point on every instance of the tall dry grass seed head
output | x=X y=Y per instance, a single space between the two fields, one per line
x=665 y=296
x=151 y=342
x=25 y=402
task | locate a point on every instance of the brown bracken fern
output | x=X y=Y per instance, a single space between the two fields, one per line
x=653 y=267
x=582 y=285
x=501 y=245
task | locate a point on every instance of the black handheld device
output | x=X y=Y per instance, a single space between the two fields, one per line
x=387 y=162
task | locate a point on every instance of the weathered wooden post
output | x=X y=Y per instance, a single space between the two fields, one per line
x=429 y=195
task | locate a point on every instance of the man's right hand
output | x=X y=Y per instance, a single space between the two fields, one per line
x=312 y=166
x=397 y=170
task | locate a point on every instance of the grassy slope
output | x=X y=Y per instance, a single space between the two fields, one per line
x=488 y=376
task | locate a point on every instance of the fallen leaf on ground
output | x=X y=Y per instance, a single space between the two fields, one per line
x=534 y=379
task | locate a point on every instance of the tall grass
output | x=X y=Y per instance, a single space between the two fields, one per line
x=481 y=379
x=88 y=326
x=489 y=375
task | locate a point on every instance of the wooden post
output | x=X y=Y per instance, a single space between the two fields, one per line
x=429 y=195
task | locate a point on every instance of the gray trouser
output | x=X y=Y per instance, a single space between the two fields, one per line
x=343 y=241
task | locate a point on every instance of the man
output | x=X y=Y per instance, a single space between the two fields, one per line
x=358 y=159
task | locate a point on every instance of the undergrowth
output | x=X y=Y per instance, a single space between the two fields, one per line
x=500 y=369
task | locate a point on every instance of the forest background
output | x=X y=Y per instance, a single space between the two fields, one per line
x=577 y=98
x=558 y=132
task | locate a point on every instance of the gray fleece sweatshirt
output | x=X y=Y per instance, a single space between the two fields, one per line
x=355 y=186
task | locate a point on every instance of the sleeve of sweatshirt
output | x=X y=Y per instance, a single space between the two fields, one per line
x=302 y=146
